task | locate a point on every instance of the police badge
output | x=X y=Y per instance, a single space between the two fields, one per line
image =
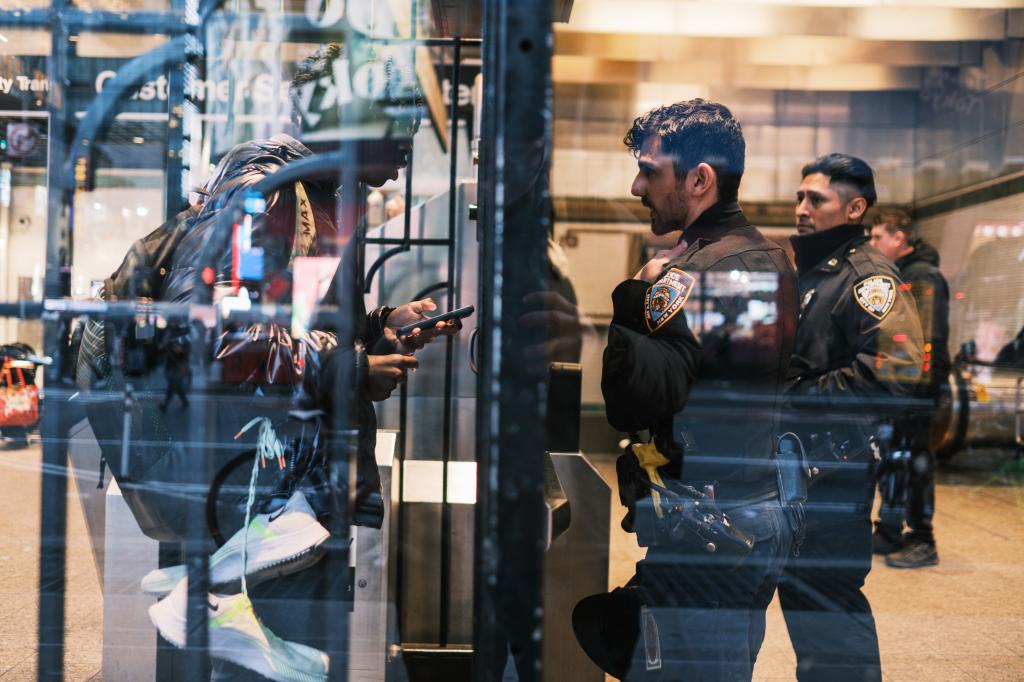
x=666 y=297
x=876 y=295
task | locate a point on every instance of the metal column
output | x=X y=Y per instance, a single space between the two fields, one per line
x=515 y=214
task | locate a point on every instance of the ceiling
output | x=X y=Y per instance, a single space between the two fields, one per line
x=820 y=45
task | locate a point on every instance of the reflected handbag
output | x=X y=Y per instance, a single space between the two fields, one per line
x=19 y=399
x=673 y=514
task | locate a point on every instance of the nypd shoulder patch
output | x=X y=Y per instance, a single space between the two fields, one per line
x=666 y=297
x=876 y=295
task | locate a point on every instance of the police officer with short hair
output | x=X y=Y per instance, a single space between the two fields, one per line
x=857 y=359
x=711 y=400
x=908 y=489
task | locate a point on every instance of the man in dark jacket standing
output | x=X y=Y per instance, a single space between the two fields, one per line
x=857 y=358
x=894 y=235
x=699 y=619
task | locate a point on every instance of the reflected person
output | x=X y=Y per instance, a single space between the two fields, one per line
x=858 y=355
x=913 y=481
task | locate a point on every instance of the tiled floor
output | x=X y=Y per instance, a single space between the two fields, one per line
x=19 y=577
x=962 y=620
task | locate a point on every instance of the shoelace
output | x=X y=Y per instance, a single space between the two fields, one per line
x=268 y=446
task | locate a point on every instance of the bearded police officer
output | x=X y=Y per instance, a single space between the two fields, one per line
x=857 y=359
x=710 y=399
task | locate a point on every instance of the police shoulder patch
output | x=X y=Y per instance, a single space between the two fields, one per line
x=666 y=297
x=876 y=295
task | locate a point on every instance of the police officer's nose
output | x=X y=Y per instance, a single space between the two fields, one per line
x=638 y=188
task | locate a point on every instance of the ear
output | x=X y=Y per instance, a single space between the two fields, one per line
x=705 y=179
x=856 y=209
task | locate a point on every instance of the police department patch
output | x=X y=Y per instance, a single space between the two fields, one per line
x=666 y=297
x=876 y=295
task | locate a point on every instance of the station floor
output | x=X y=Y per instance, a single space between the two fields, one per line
x=962 y=620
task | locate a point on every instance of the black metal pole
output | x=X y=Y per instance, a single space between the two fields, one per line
x=53 y=498
x=514 y=209
x=446 y=433
x=403 y=417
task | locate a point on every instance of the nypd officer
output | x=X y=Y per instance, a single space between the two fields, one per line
x=710 y=400
x=857 y=359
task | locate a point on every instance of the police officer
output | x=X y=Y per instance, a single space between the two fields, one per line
x=858 y=354
x=711 y=403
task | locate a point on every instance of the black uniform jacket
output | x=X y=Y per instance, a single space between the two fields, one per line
x=729 y=380
x=920 y=271
x=858 y=351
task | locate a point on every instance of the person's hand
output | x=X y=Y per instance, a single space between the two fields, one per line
x=561 y=324
x=654 y=268
x=415 y=311
x=651 y=272
x=386 y=372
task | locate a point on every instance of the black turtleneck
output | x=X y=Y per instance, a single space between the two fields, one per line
x=811 y=249
x=722 y=215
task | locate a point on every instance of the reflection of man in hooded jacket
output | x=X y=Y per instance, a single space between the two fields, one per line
x=352 y=357
x=378 y=362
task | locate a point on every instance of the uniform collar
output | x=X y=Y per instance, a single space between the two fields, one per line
x=825 y=250
x=715 y=222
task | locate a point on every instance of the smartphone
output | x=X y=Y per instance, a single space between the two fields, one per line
x=428 y=323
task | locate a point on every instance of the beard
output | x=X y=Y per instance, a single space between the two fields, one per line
x=659 y=226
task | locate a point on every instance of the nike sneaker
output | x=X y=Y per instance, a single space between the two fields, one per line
x=237 y=635
x=285 y=541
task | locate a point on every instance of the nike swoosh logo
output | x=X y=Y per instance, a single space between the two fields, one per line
x=273 y=517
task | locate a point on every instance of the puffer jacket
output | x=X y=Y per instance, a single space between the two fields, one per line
x=324 y=371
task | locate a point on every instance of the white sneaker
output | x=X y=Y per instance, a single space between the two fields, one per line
x=285 y=541
x=237 y=635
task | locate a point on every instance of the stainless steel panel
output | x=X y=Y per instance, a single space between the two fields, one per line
x=373 y=625
x=129 y=639
x=84 y=456
x=575 y=566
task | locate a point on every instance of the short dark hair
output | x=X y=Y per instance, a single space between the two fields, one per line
x=895 y=219
x=695 y=132
x=847 y=170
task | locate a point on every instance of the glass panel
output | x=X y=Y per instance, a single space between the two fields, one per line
x=238 y=444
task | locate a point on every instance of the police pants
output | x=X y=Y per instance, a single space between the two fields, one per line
x=704 y=621
x=828 y=617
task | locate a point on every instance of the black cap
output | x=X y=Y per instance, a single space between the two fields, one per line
x=607 y=627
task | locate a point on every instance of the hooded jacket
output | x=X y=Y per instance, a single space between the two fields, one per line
x=920 y=270
x=162 y=266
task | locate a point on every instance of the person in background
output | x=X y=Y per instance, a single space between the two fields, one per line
x=893 y=234
x=858 y=357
